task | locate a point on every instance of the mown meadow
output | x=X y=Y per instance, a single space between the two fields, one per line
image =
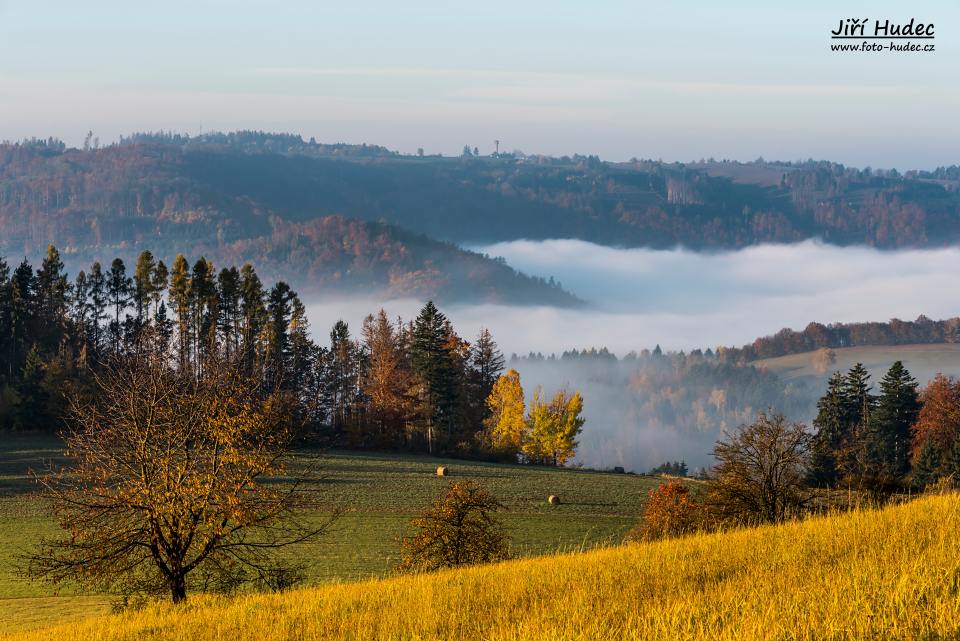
x=376 y=495
x=868 y=574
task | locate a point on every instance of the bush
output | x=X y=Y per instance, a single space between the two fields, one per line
x=457 y=530
x=670 y=511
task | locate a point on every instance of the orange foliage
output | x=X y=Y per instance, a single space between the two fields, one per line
x=670 y=511
x=939 y=419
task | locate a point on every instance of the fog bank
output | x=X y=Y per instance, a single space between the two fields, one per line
x=679 y=299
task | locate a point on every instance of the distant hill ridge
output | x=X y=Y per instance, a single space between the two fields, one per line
x=230 y=193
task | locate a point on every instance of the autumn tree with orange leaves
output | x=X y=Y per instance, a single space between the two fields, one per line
x=165 y=491
x=670 y=511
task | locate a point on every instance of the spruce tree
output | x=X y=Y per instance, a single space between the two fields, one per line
x=31 y=409
x=927 y=469
x=6 y=322
x=179 y=297
x=52 y=292
x=253 y=314
x=887 y=443
x=832 y=430
x=143 y=284
x=432 y=364
x=118 y=293
x=98 y=304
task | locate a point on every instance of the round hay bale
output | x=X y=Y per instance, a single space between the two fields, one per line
x=553 y=500
x=442 y=471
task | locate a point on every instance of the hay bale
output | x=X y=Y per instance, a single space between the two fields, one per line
x=553 y=499
x=442 y=471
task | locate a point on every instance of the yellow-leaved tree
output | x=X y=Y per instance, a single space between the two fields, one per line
x=506 y=425
x=553 y=428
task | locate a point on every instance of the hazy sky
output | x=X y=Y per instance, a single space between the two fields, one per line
x=678 y=80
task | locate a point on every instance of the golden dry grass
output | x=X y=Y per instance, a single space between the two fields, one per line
x=888 y=574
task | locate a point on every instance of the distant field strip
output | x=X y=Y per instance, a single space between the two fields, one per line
x=888 y=574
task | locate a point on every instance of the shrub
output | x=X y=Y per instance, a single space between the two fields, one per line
x=457 y=530
x=670 y=511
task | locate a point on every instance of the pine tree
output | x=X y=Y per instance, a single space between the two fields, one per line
x=433 y=366
x=887 y=443
x=118 y=293
x=31 y=409
x=23 y=304
x=253 y=312
x=204 y=314
x=143 y=283
x=81 y=308
x=6 y=321
x=52 y=292
x=98 y=304
x=277 y=348
x=831 y=432
x=343 y=377
x=179 y=297
x=927 y=468
x=228 y=282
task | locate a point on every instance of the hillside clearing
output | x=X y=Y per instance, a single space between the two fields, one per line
x=889 y=574
x=378 y=494
x=923 y=361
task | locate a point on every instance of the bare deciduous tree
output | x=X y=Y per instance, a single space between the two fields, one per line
x=166 y=487
x=760 y=471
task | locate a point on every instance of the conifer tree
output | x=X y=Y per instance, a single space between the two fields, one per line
x=81 y=307
x=118 y=294
x=179 y=297
x=6 y=322
x=253 y=312
x=387 y=380
x=52 y=291
x=31 y=409
x=143 y=284
x=433 y=366
x=832 y=432
x=228 y=282
x=98 y=303
x=277 y=347
x=927 y=468
x=887 y=440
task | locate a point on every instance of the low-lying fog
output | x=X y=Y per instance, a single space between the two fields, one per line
x=681 y=300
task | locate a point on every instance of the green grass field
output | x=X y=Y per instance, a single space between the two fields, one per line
x=923 y=361
x=890 y=574
x=377 y=493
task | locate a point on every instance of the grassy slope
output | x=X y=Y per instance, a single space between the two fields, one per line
x=379 y=494
x=923 y=361
x=890 y=574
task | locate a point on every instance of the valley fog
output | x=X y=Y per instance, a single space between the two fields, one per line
x=681 y=300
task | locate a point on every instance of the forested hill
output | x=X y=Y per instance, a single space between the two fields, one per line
x=236 y=205
x=223 y=189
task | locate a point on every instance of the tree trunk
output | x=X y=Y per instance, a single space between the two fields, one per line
x=178 y=589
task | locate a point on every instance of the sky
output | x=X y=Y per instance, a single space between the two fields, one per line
x=674 y=80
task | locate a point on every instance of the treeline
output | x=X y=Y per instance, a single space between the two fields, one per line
x=817 y=336
x=900 y=437
x=413 y=385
